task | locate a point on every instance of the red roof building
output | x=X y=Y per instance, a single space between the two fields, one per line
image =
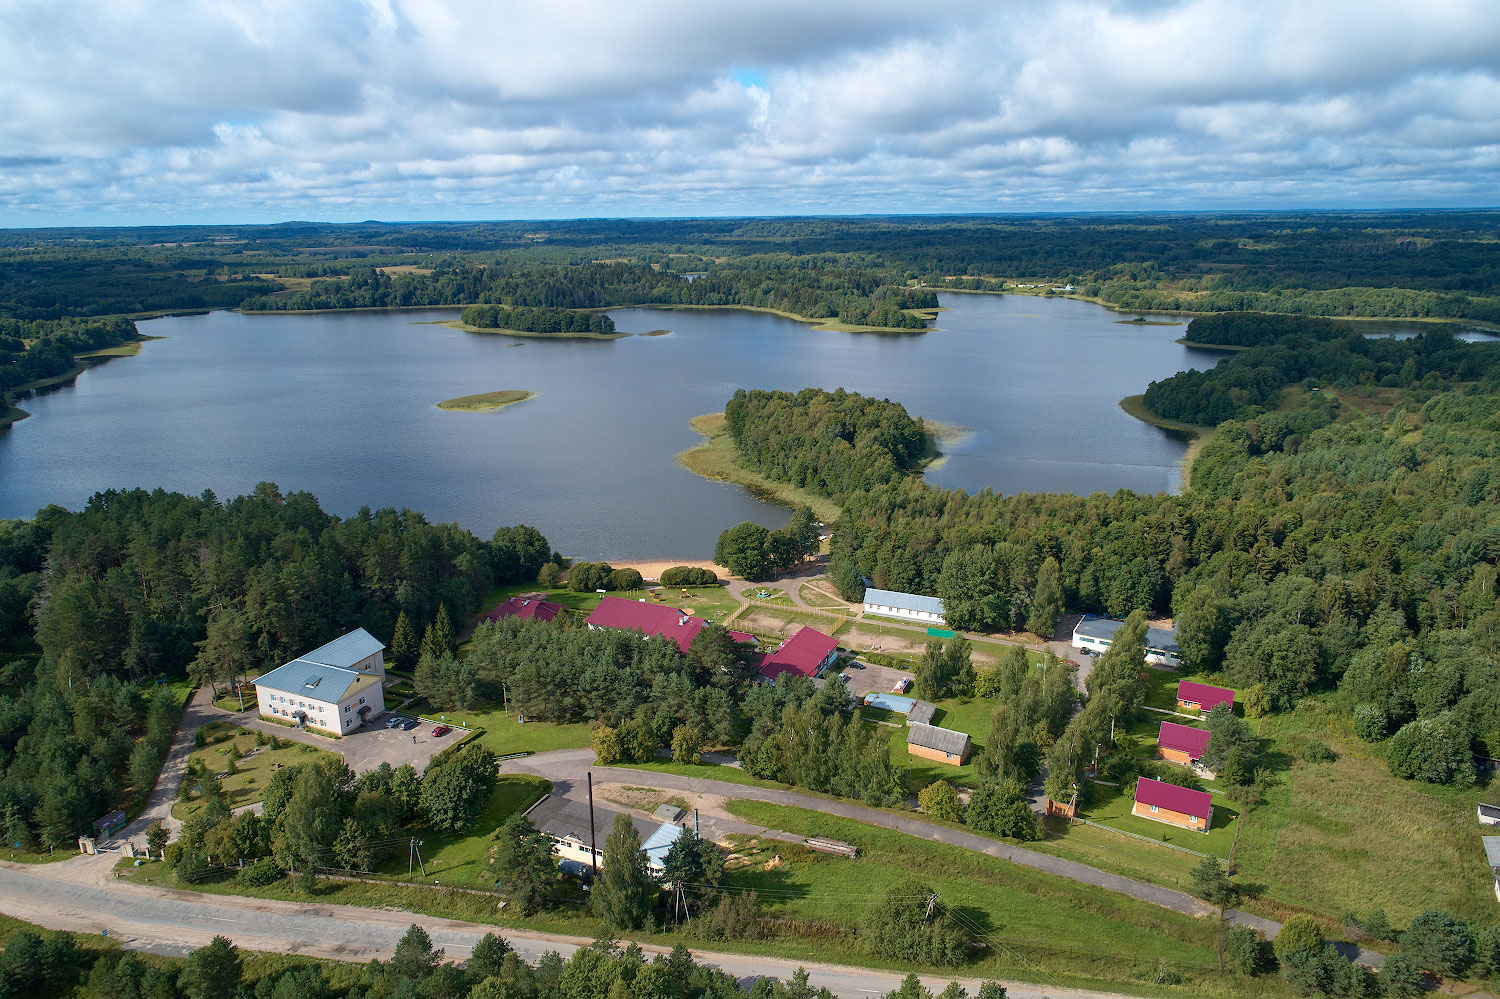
x=1181 y=743
x=1177 y=806
x=1202 y=696
x=527 y=609
x=807 y=652
x=653 y=621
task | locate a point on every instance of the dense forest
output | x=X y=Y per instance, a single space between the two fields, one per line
x=816 y=288
x=834 y=443
x=97 y=605
x=541 y=320
x=36 y=350
x=1321 y=354
x=1394 y=264
x=1358 y=555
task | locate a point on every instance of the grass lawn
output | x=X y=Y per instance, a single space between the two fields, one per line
x=1111 y=807
x=712 y=602
x=772 y=595
x=249 y=784
x=462 y=859
x=1348 y=836
x=1035 y=920
x=487 y=402
x=504 y=734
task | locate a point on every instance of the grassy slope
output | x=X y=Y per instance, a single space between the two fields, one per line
x=1105 y=937
x=715 y=459
x=462 y=859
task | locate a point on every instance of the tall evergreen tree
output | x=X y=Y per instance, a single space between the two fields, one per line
x=404 y=645
x=1047 y=602
x=625 y=892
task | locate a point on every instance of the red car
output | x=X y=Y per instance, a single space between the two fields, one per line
x=441 y=730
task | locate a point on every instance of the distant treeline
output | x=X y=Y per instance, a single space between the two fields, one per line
x=1253 y=329
x=834 y=443
x=1240 y=386
x=816 y=288
x=1395 y=264
x=537 y=320
x=34 y=350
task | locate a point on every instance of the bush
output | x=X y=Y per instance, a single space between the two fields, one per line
x=1377 y=925
x=199 y=739
x=1250 y=952
x=585 y=577
x=688 y=575
x=904 y=927
x=258 y=874
x=1300 y=936
x=1401 y=978
x=191 y=867
x=1370 y=722
x=1318 y=752
x=625 y=579
x=735 y=917
x=940 y=800
x=1000 y=807
x=606 y=745
x=549 y=575
x=1431 y=749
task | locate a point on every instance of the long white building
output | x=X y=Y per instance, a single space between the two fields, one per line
x=335 y=688
x=909 y=606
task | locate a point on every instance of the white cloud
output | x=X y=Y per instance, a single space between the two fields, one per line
x=238 y=110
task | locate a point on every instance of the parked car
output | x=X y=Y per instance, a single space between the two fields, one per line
x=845 y=677
x=408 y=724
x=856 y=665
x=441 y=730
x=393 y=722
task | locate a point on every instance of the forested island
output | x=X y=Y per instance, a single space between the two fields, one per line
x=538 y=320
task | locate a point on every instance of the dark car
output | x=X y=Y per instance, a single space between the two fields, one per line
x=441 y=730
x=408 y=725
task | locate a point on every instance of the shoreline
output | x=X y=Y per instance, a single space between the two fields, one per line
x=12 y=414
x=1197 y=437
x=713 y=458
x=458 y=324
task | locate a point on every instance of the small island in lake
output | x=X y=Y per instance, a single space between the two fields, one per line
x=486 y=402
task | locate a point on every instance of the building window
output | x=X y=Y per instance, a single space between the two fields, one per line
x=1153 y=808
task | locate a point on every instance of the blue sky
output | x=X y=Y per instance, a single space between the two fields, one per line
x=163 y=111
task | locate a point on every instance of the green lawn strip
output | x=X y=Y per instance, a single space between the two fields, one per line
x=462 y=858
x=823 y=601
x=249 y=784
x=572 y=920
x=1038 y=921
x=823 y=622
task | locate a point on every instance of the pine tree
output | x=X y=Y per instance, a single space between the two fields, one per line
x=438 y=639
x=404 y=645
x=625 y=892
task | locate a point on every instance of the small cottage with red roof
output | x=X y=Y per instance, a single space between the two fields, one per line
x=1181 y=743
x=653 y=621
x=527 y=609
x=808 y=652
x=1176 y=806
x=1202 y=697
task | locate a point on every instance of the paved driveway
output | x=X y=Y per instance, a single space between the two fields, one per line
x=872 y=677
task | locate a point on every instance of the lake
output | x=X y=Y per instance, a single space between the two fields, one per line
x=344 y=405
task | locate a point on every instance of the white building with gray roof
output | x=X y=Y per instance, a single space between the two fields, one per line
x=1096 y=634
x=334 y=688
x=907 y=606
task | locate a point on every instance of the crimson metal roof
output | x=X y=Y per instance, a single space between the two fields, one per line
x=526 y=608
x=805 y=652
x=1183 y=738
x=1204 y=695
x=1178 y=799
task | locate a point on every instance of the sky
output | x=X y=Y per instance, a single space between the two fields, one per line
x=126 y=112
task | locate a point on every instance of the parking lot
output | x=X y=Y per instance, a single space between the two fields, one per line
x=866 y=677
x=375 y=744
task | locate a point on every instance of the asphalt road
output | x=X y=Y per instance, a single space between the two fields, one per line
x=165 y=921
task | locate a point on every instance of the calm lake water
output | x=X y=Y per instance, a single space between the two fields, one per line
x=344 y=406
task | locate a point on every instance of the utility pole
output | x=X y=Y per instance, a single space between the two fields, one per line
x=593 y=839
